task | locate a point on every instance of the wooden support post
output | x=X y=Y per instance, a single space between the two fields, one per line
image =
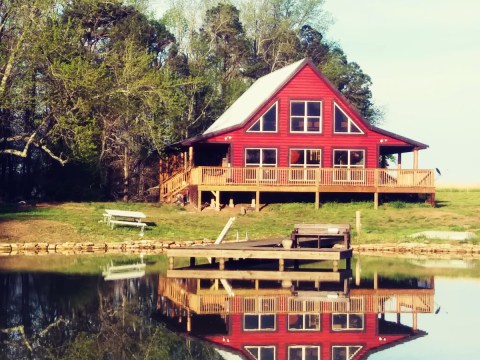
x=281 y=265
x=375 y=200
x=221 y=264
x=257 y=201
x=375 y=280
x=189 y=321
x=358 y=273
x=217 y=205
x=257 y=284
x=358 y=222
x=345 y=286
x=399 y=161
x=170 y=263
x=415 y=327
x=317 y=200
x=190 y=156
x=199 y=200
x=335 y=265
x=415 y=158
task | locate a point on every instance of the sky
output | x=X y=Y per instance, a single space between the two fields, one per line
x=424 y=60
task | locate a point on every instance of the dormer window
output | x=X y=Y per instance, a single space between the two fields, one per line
x=306 y=116
x=267 y=122
x=343 y=123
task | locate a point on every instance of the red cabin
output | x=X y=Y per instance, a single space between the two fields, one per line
x=293 y=131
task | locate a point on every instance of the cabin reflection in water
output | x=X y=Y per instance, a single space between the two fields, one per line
x=298 y=319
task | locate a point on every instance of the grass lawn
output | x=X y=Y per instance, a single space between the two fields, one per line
x=457 y=210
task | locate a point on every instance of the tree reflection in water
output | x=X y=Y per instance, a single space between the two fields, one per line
x=47 y=316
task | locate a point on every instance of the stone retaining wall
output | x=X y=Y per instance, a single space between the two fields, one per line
x=151 y=247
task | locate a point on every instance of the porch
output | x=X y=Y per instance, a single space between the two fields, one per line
x=218 y=179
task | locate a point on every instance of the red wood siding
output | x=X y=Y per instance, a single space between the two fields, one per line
x=281 y=338
x=306 y=85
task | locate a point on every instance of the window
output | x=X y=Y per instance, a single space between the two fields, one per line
x=261 y=158
x=304 y=352
x=306 y=116
x=304 y=158
x=345 y=352
x=267 y=122
x=341 y=322
x=343 y=123
x=257 y=322
x=261 y=352
x=297 y=322
x=351 y=160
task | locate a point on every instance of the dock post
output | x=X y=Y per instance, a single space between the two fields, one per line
x=358 y=271
x=221 y=264
x=281 y=265
x=317 y=200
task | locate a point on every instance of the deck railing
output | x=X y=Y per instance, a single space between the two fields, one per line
x=175 y=183
x=277 y=176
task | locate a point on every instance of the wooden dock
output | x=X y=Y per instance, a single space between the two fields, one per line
x=309 y=242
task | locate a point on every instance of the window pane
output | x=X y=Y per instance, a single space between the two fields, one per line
x=313 y=157
x=356 y=321
x=356 y=158
x=256 y=126
x=297 y=124
x=354 y=128
x=267 y=321
x=312 y=322
x=339 y=321
x=297 y=157
x=313 y=108
x=298 y=108
x=313 y=124
x=295 y=321
x=269 y=157
x=253 y=156
x=270 y=119
x=267 y=353
x=341 y=121
x=340 y=157
x=294 y=353
x=311 y=353
x=251 y=322
x=254 y=350
x=339 y=353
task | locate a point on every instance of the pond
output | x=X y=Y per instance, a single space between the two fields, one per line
x=382 y=308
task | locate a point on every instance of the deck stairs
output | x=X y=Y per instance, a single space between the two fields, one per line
x=173 y=185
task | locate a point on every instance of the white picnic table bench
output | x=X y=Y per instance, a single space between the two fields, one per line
x=125 y=218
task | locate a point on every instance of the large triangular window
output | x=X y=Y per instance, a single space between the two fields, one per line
x=267 y=122
x=344 y=124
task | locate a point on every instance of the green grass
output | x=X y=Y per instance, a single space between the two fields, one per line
x=392 y=222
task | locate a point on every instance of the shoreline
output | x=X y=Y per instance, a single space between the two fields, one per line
x=155 y=247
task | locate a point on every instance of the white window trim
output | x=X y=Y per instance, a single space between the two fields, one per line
x=304 y=347
x=259 y=347
x=349 y=126
x=349 y=356
x=348 y=322
x=304 y=165
x=348 y=167
x=259 y=322
x=305 y=117
x=261 y=121
x=318 y=328
x=261 y=157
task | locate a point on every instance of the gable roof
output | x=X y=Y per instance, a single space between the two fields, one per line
x=263 y=89
x=255 y=97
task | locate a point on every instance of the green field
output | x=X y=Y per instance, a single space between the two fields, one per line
x=457 y=210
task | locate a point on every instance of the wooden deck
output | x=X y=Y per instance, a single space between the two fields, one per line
x=301 y=180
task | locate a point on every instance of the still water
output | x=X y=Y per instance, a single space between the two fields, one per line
x=382 y=309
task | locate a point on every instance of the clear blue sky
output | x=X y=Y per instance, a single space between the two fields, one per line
x=424 y=60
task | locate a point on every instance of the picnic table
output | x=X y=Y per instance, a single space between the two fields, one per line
x=125 y=218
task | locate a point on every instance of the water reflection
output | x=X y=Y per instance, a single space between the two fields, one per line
x=309 y=314
x=318 y=318
x=48 y=316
